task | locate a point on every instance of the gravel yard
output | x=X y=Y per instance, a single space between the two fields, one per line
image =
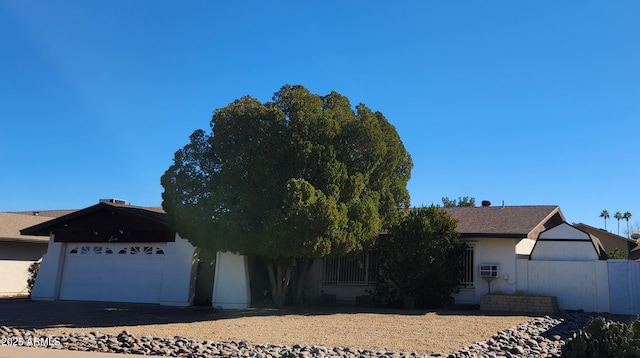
x=312 y=331
x=380 y=330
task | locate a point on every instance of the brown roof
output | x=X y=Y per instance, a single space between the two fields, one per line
x=602 y=233
x=12 y=223
x=46 y=213
x=505 y=221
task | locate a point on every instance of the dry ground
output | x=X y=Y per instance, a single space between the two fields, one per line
x=380 y=330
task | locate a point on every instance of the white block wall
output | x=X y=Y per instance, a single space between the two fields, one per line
x=624 y=286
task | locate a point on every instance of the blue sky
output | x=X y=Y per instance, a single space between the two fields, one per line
x=530 y=103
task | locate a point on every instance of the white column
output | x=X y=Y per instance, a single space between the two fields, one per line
x=47 y=285
x=231 y=281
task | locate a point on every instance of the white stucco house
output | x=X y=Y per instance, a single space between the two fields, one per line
x=123 y=253
x=496 y=236
x=18 y=252
x=115 y=252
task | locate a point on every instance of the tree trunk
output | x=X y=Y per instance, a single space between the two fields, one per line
x=279 y=278
x=302 y=277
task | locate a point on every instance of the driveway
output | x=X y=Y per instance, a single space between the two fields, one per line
x=24 y=313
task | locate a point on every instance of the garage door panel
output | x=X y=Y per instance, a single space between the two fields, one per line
x=113 y=272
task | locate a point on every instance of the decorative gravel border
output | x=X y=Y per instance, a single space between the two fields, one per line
x=540 y=337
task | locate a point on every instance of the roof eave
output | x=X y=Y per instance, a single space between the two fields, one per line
x=44 y=229
x=493 y=235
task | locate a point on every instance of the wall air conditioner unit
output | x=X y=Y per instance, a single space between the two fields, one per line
x=489 y=271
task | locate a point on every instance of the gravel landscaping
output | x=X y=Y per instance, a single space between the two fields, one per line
x=537 y=337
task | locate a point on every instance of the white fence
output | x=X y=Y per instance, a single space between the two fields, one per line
x=624 y=286
x=593 y=286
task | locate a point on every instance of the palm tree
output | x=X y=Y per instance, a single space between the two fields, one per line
x=605 y=214
x=627 y=216
x=618 y=216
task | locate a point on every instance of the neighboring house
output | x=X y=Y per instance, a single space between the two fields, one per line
x=18 y=252
x=496 y=236
x=611 y=241
x=115 y=252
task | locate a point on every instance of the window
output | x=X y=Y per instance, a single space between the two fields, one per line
x=467 y=280
x=359 y=270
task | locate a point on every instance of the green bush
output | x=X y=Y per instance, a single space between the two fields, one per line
x=602 y=338
x=420 y=259
x=33 y=272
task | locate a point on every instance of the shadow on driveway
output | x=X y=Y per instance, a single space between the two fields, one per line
x=24 y=313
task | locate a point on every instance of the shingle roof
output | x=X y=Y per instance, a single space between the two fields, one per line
x=47 y=213
x=505 y=221
x=602 y=233
x=11 y=224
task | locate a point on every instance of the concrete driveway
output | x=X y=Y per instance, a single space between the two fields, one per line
x=27 y=314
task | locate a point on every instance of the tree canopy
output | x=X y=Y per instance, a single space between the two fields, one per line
x=462 y=201
x=300 y=177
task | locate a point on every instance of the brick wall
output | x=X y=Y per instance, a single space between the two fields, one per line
x=519 y=303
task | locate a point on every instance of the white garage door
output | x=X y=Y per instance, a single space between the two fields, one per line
x=113 y=272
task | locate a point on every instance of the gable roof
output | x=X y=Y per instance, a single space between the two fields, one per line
x=505 y=221
x=602 y=233
x=11 y=223
x=566 y=232
x=102 y=221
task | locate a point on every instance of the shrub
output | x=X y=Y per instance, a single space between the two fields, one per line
x=421 y=258
x=602 y=338
x=617 y=254
x=33 y=272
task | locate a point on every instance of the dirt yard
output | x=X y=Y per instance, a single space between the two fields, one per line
x=380 y=330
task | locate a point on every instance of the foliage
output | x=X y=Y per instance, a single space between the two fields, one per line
x=32 y=274
x=462 y=201
x=605 y=215
x=627 y=216
x=617 y=254
x=602 y=338
x=619 y=216
x=290 y=180
x=422 y=258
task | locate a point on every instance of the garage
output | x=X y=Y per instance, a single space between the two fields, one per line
x=117 y=273
x=115 y=252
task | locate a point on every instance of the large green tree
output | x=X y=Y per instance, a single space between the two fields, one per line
x=291 y=180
